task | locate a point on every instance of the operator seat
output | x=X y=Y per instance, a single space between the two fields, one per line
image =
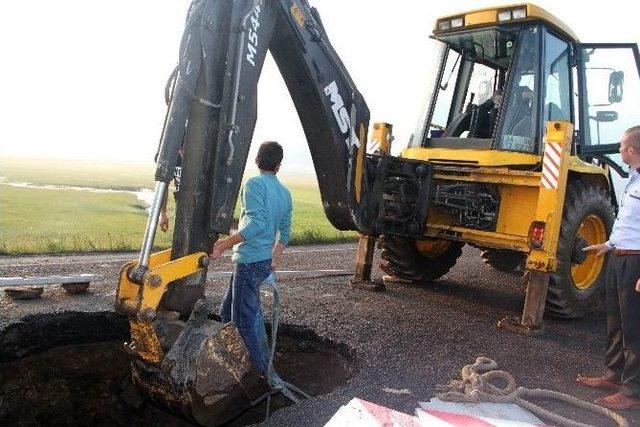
x=486 y=117
x=479 y=120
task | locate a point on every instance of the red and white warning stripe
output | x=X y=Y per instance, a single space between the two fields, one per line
x=360 y=413
x=551 y=165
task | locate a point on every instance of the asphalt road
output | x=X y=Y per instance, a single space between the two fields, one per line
x=408 y=337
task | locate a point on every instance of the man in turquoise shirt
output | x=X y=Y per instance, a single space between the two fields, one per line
x=263 y=233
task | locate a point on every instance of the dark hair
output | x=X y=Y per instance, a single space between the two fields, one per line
x=269 y=156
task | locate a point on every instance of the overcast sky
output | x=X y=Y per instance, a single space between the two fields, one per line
x=85 y=79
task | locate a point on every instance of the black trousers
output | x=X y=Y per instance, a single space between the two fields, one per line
x=622 y=359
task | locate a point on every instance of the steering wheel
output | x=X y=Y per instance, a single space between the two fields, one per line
x=463 y=122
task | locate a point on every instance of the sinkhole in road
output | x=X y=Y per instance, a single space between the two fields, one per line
x=70 y=369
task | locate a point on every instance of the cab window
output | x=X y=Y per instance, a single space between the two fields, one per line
x=519 y=123
x=557 y=98
x=612 y=93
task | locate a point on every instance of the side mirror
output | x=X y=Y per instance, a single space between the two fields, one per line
x=606 y=116
x=616 y=83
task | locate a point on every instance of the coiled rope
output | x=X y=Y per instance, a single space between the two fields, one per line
x=475 y=386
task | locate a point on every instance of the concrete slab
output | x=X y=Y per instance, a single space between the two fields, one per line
x=465 y=414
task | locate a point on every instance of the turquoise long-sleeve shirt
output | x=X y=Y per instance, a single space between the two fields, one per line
x=265 y=216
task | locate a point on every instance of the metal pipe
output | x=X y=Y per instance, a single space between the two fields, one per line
x=236 y=88
x=152 y=224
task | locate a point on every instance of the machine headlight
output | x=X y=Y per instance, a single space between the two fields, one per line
x=505 y=15
x=444 y=25
x=457 y=22
x=519 y=13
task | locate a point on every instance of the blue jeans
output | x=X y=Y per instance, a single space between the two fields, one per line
x=241 y=304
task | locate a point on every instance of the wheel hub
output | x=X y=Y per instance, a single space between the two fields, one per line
x=585 y=272
x=578 y=255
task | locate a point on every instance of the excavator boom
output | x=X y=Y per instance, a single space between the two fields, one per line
x=212 y=115
x=222 y=55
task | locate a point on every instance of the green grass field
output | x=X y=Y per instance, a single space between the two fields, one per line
x=34 y=221
x=90 y=173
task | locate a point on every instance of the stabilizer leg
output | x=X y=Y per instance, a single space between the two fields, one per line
x=531 y=322
x=364 y=261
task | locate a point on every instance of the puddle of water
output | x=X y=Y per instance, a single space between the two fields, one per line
x=144 y=195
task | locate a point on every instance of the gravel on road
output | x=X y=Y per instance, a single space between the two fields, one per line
x=408 y=337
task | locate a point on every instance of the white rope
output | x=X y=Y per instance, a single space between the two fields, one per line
x=475 y=387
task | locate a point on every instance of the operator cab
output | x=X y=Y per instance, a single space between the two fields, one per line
x=502 y=74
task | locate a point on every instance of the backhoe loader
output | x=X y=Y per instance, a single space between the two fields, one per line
x=514 y=154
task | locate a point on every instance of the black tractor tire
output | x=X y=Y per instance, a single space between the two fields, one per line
x=404 y=260
x=504 y=260
x=564 y=298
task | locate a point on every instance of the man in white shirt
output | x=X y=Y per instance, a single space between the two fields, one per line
x=622 y=358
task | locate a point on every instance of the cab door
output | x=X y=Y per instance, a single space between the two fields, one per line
x=609 y=102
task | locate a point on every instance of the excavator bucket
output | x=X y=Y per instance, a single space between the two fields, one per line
x=206 y=375
x=199 y=369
